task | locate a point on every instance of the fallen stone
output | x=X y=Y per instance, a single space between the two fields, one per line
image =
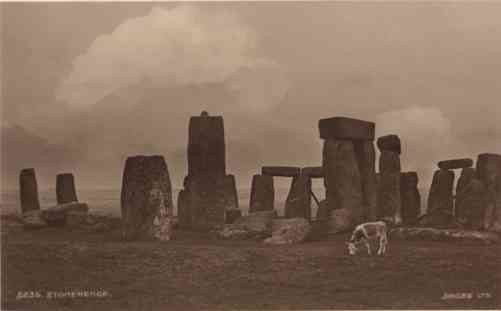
x=455 y=164
x=262 y=194
x=298 y=202
x=471 y=203
x=232 y=215
x=343 y=181
x=366 y=159
x=65 y=188
x=206 y=146
x=283 y=171
x=28 y=190
x=433 y=234
x=146 y=198
x=411 y=199
x=75 y=219
x=288 y=231
x=440 y=197
x=346 y=129
x=313 y=171
x=389 y=143
x=255 y=226
x=57 y=215
x=437 y=219
x=33 y=220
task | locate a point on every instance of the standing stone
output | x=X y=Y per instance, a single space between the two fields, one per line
x=488 y=169
x=262 y=196
x=440 y=197
x=28 y=190
x=298 y=203
x=470 y=205
x=323 y=211
x=230 y=192
x=467 y=175
x=183 y=209
x=389 y=200
x=343 y=181
x=411 y=199
x=494 y=224
x=65 y=188
x=206 y=147
x=389 y=143
x=207 y=203
x=146 y=199
x=366 y=158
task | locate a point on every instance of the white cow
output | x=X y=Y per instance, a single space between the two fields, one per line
x=366 y=232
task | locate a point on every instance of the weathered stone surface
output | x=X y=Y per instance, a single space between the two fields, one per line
x=389 y=162
x=183 y=209
x=343 y=181
x=471 y=202
x=75 y=218
x=438 y=219
x=283 y=171
x=346 y=129
x=340 y=220
x=433 y=234
x=488 y=171
x=28 y=190
x=146 y=198
x=33 y=219
x=440 y=197
x=298 y=202
x=319 y=230
x=65 y=188
x=58 y=215
x=366 y=159
x=230 y=192
x=411 y=199
x=389 y=143
x=207 y=202
x=467 y=175
x=455 y=163
x=313 y=171
x=255 y=226
x=232 y=215
x=206 y=146
x=323 y=211
x=389 y=197
x=288 y=231
x=262 y=196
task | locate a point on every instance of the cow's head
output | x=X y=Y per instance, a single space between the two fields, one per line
x=352 y=248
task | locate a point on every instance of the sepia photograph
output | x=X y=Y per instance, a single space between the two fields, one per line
x=250 y=155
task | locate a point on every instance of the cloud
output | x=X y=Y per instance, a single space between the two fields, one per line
x=175 y=47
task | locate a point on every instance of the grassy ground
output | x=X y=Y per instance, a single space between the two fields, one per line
x=196 y=273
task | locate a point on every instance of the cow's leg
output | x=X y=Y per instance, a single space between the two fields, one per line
x=368 y=244
x=384 y=243
x=380 y=249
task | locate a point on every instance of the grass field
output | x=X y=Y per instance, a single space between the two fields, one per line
x=193 y=272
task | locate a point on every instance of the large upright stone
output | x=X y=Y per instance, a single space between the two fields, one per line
x=65 y=188
x=183 y=209
x=298 y=203
x=440 y=197
x=467 y=175
x=207 y=203
x=470 y=205
x=342 y=128
x=282 y=171
x=389 y=143
x=206 y=147
x=28 y=190
x=494 y=223
x=262 y=196
x=146 y=198
x=230 y=192
x=343 y=181
x=488 y=169
x=389 y=200
x=411 y=199
x=366 y=159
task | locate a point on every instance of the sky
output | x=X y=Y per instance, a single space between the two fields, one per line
x=84 y=85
